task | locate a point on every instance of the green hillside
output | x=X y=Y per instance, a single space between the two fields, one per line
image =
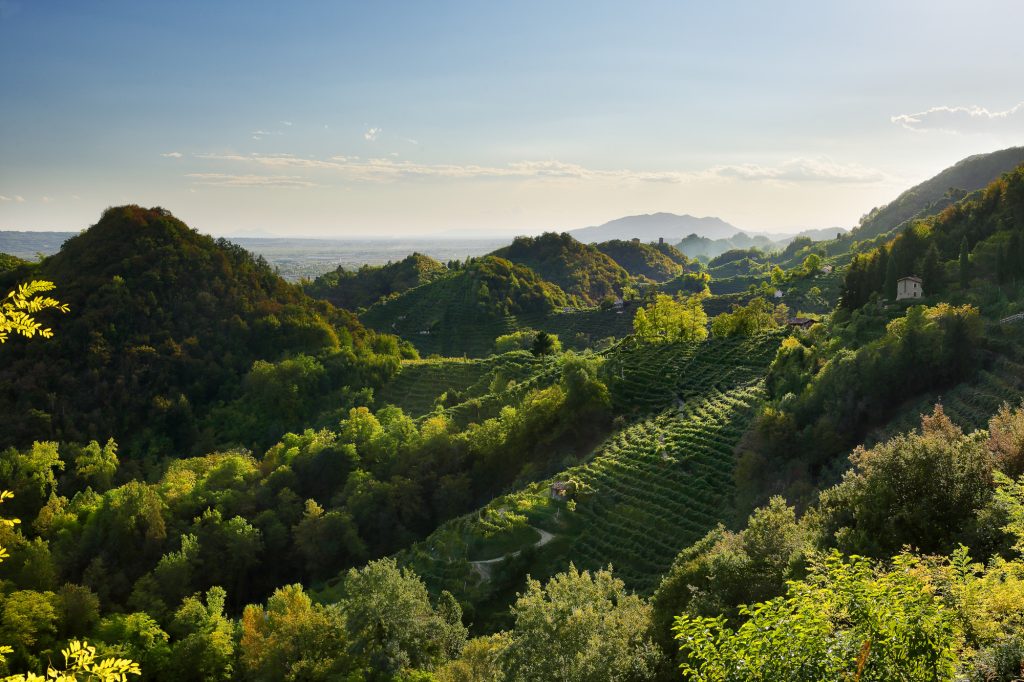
x=581 y=270
x=666 y=478
x=935 y=194
x=464 y=312
x=354 y=289
x=164 y=325
x=641 y=260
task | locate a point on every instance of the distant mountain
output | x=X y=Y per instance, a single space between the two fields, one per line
x=353 y=289
x=579 y=269
x=822 y=233
x=945 y=189
x=652 y=226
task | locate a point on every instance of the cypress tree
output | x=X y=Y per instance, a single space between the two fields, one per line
x=890 y=280
x=931 y=271
x=965 y=264
x=1012 y=257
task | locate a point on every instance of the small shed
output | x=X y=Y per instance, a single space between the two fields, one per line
x=800 y=322
x=826 y=269
x=778 y=293
x=909 y=287
x=560 y=490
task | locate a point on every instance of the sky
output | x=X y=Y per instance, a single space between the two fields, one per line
x=376 y=119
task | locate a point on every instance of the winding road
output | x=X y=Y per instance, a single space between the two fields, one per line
x=483 y=568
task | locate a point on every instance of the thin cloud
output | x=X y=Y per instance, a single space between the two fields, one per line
x=230 y=180
x=798 y=170
x=172 y=155
x=960 y=119
x=17 y=199
x=371 y=134
x=286 y=123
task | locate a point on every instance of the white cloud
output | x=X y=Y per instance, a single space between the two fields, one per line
x=371 y=134
x=286 y=123
x=230 y=180
x=961 y=119
x=798 y=170
x=172 y=155
x=16 y=198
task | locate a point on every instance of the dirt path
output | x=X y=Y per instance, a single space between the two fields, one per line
x=483 y=568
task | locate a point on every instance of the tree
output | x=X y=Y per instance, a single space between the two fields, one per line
x=97 y=465
x=844 y=621
x=292 y=638
x=811 y=265
x=889 y=289
x=19 y=306
x=931 y=271
x=965 y=264
x=205 y=645
x=667 y=319
x=754 y=318
x=545 y=344
x=580 y=627
x=391 y=623
x=81 y=663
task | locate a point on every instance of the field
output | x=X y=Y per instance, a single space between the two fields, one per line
x=649 y=490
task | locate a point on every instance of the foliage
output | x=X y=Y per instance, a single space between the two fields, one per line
x=580 y=626
x=19 y=306
x=756 y=317
x=393 y=626
x=666 y=320
x=81 y=663
x=846 y=620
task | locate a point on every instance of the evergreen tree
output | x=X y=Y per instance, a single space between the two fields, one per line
x=965 y=264
x=931 y=271
x=1012 y=257
x=890 y=280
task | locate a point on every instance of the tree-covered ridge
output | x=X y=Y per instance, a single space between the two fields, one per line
x=982 y=233
x=933 y=195
x=464 y=312
x=354 y=289
x=642 y=260
x=164 y=324
x=581 y=270
x=9 y=262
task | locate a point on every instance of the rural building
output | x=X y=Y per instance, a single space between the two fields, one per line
x=778 y=293
x=909 y=287
x=801 y=322
x=826 y=269
x=560 y=490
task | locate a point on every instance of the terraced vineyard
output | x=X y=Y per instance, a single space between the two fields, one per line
x=969 y=404
x=419 y=383
x=648 y=491
x=645 y=378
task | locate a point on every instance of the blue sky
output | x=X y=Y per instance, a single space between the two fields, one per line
x=372 y=119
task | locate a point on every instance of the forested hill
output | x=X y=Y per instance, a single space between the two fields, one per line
x=354 y=289
x=164 y=323
x=979 y=238
x=579 y=269
x=933 y=195
x=644 y=260
x=466 y=310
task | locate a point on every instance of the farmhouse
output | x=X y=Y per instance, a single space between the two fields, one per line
x=909 y=287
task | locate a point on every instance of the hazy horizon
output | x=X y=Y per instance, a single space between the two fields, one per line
x=351 y=121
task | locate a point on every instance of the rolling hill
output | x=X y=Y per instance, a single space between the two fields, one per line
x=581 y=270
x=935 y=194
x=164 y=323
x=641 y=260
x=354 y=289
